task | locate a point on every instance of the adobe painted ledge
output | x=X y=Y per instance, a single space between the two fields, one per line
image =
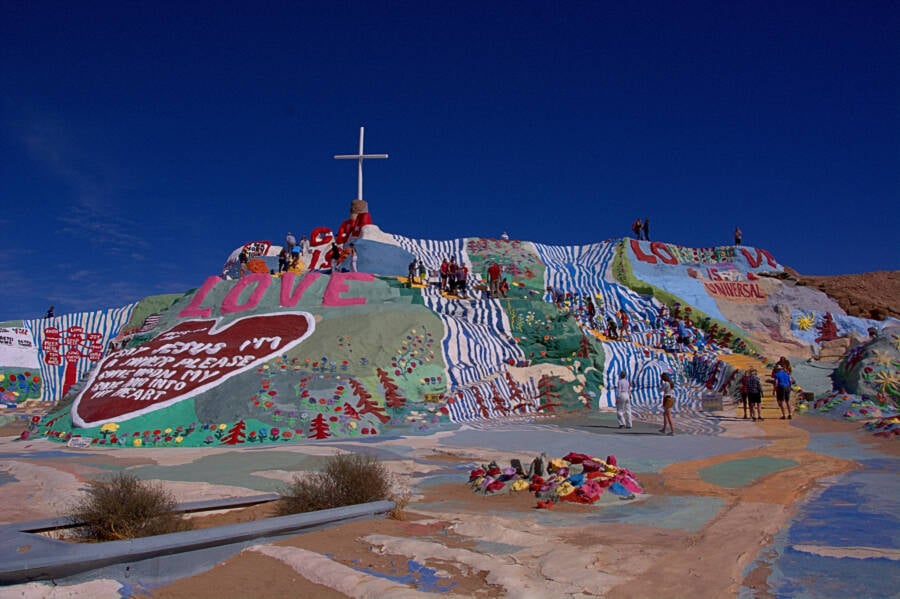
x=26 y=556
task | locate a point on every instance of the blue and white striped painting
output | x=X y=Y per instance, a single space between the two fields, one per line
x=477 y=340
x=585 y=270
x=106 y=322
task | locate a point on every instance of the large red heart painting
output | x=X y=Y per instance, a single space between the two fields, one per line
x=184 y=361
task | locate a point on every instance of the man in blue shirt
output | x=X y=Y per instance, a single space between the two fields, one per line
x=783 y=391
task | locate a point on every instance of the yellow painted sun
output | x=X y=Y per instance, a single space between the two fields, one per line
x=888 y=381
x=881 y=358
x=806 y=322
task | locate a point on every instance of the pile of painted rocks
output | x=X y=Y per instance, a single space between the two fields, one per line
x=881 y=414
x=576 y=478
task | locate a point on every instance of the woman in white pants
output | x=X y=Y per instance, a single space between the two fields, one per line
x=623 y=401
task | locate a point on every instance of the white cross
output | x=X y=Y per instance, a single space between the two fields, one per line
x=359 y=158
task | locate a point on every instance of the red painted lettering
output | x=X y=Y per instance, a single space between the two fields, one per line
x=639 y=253
x=663 y=252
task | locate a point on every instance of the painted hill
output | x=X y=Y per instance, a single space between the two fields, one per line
x=316 y=353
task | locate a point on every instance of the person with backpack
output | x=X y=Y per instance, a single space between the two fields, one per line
x=783 y=391
x=754 y=395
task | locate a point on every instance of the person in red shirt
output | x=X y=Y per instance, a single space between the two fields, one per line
x=494 y=279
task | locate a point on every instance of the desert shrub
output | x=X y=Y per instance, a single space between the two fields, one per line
x=125 y=507
x=347 y=479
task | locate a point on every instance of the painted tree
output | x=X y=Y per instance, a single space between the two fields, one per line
x=498 y=400
x=236 y=434
x=350 y=411
x=318 y=428
x=365 y=403
x=516 y=396
x=71 y=345
x=548 y=393
x=480 y=402
x=584 y=348
x=828 y=330
x=392 y=396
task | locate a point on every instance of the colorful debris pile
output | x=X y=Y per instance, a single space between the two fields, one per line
x=576 y=478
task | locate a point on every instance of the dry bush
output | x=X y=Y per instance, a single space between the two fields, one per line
x=401 y=500
x=347 y=479
x=125 y=507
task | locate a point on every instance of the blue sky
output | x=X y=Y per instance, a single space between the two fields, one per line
x=140 y=143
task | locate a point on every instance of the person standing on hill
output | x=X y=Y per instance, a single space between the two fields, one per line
x=623 y=401
x=738 y=236
x=353 y=256
x=668 y=390
x=243 y=259
x=591 y=310
x=646 y=229
x=636 y=227
x=290 y=241
x=494 y=279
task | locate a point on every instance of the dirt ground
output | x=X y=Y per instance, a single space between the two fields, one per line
x=704 y=563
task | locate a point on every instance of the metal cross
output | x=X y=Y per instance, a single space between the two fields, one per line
x=359 y=158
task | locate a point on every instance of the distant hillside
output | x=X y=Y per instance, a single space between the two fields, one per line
x=873 y=295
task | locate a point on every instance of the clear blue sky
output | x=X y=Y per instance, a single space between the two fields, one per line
x=140 y=143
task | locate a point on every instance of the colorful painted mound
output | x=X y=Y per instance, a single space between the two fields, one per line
x=574 y=478
x=323 y=353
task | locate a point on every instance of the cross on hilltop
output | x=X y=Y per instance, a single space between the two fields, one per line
x=359 y=158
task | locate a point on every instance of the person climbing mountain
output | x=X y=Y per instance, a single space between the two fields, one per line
x=611 y=329
x=494 y=279
x=49 y=313
x=591 y=310
x=504 y=287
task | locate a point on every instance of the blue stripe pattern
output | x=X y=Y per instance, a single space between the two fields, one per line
x=106 y=322
x=585 y=270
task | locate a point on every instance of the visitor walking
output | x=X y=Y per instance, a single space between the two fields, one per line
x=668 y=390
x=623 y=401
x=738 y=236
x=243 y=259
x=754 y=395
x=744 y=397
x=647 y=229
x=783 y=391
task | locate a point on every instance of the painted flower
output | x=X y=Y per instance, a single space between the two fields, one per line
x=137 y=442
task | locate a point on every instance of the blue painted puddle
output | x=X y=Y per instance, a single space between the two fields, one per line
x=834 y=545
